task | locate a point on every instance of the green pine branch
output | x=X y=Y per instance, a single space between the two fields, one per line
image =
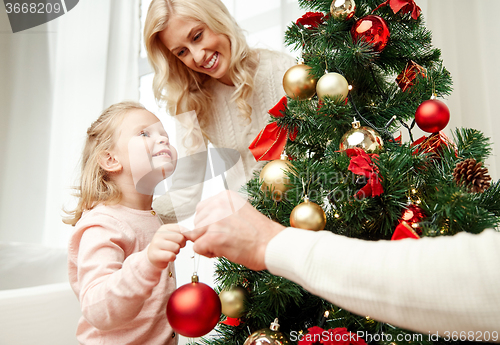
x=320 y=171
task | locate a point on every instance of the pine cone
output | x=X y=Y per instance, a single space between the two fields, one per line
x=471 y=174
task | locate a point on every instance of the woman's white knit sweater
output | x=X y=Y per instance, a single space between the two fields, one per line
x=229 y=131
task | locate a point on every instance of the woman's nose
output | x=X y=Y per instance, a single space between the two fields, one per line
x=198 y=55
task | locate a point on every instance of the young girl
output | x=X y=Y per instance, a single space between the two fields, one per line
x=120 y=256
x=203 y=63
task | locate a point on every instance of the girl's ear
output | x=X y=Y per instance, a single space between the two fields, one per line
x=109 y=162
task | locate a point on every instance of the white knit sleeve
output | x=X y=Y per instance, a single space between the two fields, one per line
x=442 y=284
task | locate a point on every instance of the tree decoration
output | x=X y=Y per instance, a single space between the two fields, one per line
x=433 y=145
x=274 y=177
x=333 y=85
x=362 y=137
x=362 y=194
x=311 y=20
x=231 y=321
x=405 y=6
x=339 y=335
x=194 y=309
x=472 y=175
x=233 y=301
x=271 y=141
x=432 y=116
x=267 y=336
x=402 y=231
x=371 y=29
x=298 y=82
x=342 y=9
x=362 y=164
x=411 y=217
x=412 y=214
x=406 y=78
x=308 y=216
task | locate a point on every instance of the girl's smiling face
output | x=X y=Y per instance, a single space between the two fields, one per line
x=198 y=47
x=143 y=147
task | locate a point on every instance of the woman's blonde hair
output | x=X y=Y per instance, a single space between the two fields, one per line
x=96 y=186
x=183 y=89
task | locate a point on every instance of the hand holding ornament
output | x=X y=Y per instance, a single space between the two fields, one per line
x=227 y=225
x=165 y=245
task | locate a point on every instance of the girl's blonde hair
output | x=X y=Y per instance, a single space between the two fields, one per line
x=183 y=89
x=96 y=186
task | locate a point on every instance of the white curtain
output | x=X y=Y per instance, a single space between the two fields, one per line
x=55 y=80
x=466 y=32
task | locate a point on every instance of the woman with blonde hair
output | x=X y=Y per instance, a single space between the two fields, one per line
x=204 y=67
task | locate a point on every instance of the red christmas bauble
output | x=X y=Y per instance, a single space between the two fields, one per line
x=413 y=215
x=432 y=116
x=372 y=29
x=194 y=309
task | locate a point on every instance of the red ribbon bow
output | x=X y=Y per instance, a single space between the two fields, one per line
x=271 y=141
x=231 y=321
x=362 y=164
x=406 y=6
x=433 y=144
x=311 y=19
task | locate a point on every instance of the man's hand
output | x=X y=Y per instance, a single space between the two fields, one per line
x=226 y=225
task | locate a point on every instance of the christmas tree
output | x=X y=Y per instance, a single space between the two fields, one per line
x=369 y=72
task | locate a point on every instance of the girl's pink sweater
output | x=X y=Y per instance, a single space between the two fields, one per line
x=122 y=295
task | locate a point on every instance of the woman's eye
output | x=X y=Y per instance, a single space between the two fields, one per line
x=181 y=52
x=144 y=134
x=197 y=36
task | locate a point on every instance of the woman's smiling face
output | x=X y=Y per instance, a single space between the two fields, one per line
x=198 y=47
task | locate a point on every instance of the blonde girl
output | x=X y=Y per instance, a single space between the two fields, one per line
x=203 y=65
x=120 y=256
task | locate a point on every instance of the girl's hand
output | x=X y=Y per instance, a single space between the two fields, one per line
x=165 y=245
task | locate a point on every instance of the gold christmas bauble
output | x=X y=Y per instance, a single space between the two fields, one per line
x=363 y=137
x=267 y=336
x=308 y=215
x=233 y=301
x=332 y=85
x=343 y=9
x=298 y=83
x=274 y=179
